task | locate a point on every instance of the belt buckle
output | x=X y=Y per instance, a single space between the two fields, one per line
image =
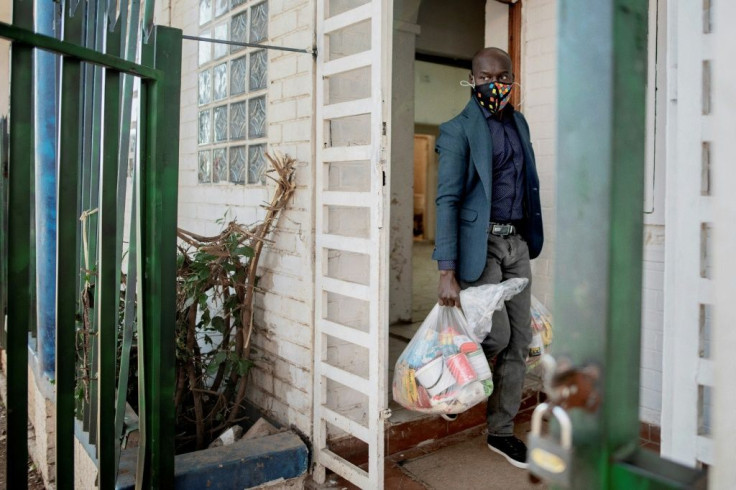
x=502 y=229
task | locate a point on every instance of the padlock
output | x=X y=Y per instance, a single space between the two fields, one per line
x=549 y=459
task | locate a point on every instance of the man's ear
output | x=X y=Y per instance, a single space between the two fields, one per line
x=470 y=77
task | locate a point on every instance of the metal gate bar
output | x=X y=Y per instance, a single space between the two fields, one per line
x=156 y=231
x=67 y=268
x=108 y=276
x=602 y=67
x=19 y=246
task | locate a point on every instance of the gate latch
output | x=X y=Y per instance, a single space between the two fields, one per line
x=571 y=387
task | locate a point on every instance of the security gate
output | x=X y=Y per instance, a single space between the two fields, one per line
x=155 y=186
x=351 y=307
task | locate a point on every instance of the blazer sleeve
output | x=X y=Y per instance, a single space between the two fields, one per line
x=453 y=149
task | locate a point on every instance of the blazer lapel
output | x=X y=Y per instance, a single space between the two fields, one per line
x=479 y=139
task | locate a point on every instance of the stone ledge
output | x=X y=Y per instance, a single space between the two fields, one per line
x=244 y=464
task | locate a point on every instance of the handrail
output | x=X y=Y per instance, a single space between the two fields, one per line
x=80 y=53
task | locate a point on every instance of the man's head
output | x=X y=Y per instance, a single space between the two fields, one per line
x=491 y=65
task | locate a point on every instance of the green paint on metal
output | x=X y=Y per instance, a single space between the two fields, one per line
x=645 y=470
x=88 y=214
x=3 y=228
x=19 y=244
x=108 y=283
x=155 y=220
x=66 y=261
x=142 y=475
x=147 y=21
x=29 y=38
x=157 y=184
x=602 y=67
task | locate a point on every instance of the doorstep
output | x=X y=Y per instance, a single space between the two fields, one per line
x=408 y=430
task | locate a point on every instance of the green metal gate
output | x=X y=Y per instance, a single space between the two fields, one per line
x=601 y=133
x=152 y=248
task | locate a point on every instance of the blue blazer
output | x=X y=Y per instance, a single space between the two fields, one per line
x=464 y=192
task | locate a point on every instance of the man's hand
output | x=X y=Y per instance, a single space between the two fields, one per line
x=448 y=291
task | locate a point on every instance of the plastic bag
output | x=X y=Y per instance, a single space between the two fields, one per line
x=541 y=332
x=442 y=370
x=479 y=303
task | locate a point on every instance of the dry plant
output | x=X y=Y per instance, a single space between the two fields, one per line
x=216 y=281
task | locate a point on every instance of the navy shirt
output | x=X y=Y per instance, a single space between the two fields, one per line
x=507 y=191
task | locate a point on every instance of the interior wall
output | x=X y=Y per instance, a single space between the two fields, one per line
x=497 y=25
x=438 y=94
x=451 y=30
x=401 y=171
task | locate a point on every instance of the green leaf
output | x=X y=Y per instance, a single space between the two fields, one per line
x=220 y=357
x=244 y=250
x=243 y=366
x=218 y=323
x=203 y=274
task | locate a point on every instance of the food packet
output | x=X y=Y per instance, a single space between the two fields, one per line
x=442 y=370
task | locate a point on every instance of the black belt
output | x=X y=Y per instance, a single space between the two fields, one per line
x=502 y=229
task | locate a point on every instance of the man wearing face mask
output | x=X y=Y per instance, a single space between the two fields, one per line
x=489 y=226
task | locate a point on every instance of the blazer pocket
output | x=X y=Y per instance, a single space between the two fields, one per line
x=468 y=214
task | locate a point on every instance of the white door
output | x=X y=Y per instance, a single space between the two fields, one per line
x=351 y=272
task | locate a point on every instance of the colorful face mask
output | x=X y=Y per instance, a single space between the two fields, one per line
x=493 y=96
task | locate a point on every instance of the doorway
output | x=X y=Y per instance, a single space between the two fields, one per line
x=444 y=48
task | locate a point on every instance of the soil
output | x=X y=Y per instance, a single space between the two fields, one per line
x=35 y=482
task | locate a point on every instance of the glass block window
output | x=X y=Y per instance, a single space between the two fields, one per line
x=231 y=93
x=205 y=167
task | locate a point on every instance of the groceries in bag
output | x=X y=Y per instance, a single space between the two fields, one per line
x=442 y=370
x=541 y=332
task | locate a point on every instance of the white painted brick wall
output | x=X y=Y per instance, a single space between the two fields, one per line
x=539 y=44
x=281 y=381
x=539 y=41
x=652 y=318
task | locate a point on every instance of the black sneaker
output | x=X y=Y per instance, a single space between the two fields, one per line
x=511 y=448
x=450 y=417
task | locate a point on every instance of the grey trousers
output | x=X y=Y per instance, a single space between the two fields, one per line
x=511 y=332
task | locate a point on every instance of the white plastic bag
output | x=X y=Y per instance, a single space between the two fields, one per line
x=541 y=332
x=479 y=303
x=442 y=370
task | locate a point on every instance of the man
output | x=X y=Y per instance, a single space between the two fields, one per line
x=489 y=226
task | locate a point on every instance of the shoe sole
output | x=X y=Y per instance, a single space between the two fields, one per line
x=518 y=464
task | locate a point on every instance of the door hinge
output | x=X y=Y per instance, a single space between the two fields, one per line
x=384 y=177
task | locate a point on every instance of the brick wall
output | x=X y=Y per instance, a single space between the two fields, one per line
x=539 y=79
x=652 y=317
x=281 y=382
x=539 y=45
